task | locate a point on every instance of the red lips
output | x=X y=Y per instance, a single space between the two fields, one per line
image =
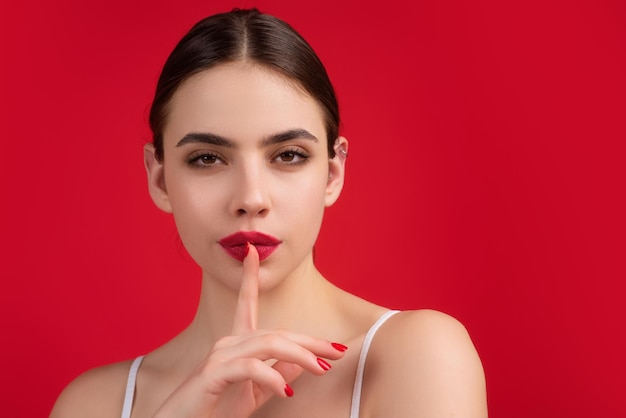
x=235 y=244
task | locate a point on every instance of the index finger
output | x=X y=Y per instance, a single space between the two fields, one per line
x=245 y=318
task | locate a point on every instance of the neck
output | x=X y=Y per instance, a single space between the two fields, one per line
x=304 y=302
x=292 y=303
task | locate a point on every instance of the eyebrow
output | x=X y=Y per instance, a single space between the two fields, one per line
x=205 y=138
x=288 y=135
x=214 y=139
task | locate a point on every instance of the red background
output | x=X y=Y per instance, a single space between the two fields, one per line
x=486 y=179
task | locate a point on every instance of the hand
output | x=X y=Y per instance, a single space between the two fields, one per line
x=235 y=379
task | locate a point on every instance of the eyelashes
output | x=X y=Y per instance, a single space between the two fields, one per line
x=292 y=156
x=204 y=159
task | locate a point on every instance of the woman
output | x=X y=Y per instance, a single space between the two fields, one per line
x=246 y=156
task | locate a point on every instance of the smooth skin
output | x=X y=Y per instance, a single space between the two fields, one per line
x=261 y=325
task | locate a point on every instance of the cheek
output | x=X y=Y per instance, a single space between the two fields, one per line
x=303 y=200
x=195 y=209
x=185 y=197
x=310 y=187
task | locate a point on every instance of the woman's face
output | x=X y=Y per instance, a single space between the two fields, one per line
x=245 y=152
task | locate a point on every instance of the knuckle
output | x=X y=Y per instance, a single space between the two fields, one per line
x=223 y=343
x=273 y=342
x=252 y=365
x=282 y=333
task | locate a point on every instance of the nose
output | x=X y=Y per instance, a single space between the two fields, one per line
x=250 y=193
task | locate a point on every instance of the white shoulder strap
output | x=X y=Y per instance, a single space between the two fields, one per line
x=360 y=368
x=130 y=388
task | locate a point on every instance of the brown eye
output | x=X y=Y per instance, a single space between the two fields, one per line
x=204 y=160
x=207 y=159
x=292 y=156
x=287 y=157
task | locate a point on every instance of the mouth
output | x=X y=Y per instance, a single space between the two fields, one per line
x=235 y=244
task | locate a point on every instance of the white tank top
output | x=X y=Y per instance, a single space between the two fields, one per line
x=358 y=381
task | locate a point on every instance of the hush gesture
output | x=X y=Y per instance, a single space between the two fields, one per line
x=245 y=369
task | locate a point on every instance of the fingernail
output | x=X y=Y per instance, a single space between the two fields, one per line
x=323 y=364
x=339 y=347
x=288 y=390
x=245 y=254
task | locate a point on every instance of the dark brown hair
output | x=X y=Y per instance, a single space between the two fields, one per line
x=244 y=35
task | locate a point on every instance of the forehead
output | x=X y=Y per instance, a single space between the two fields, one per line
x=241 y=100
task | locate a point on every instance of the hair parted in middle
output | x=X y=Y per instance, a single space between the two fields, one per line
x=244 y=35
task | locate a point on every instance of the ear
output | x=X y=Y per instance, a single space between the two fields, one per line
x=156 y=179
x=336 y=171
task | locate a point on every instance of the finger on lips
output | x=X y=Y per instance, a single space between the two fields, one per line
x=245 y=320
x=248 y=349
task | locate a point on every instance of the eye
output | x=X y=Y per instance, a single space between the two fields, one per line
x=204 y=159
x=292 y=156
x=287 y=157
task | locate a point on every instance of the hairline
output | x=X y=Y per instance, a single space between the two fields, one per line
x=245 y=60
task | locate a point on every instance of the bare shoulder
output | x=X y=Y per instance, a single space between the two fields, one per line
x=96 y=393
x=426 y=326
x=423 y=363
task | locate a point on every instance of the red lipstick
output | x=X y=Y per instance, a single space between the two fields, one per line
x=235 y=244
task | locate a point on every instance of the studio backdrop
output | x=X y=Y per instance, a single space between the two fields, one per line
x=485 y=179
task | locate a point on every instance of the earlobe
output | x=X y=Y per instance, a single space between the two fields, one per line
x=156 y=179
x=336 y=171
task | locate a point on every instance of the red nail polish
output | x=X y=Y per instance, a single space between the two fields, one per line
x=245 y=253
x=288 y=391
x=323 y=364
x=339 y=347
